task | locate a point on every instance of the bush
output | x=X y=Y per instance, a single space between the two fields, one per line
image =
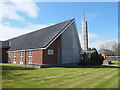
x=83 y=62
x=95 y=59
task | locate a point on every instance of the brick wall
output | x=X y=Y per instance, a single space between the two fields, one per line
x=26 y=58
x=47 y=59
x=37 y=56
x=11 y=57
x=17 y=57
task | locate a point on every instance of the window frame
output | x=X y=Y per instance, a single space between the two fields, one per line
x=50 y=51
x=29 y=57
x=21 y=57
x=9 y=57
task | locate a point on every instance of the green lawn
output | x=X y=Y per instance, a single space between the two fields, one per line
x=116 y=62
x=17 y=76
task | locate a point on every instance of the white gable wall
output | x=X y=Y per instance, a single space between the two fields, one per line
x=70 y=46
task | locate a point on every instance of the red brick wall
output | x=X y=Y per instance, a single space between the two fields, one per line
x=17 y=57
x=11 y=57
x=47 y=59
x=37 y=56
x=26 y=58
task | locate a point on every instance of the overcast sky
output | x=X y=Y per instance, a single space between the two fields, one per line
x=22 y=17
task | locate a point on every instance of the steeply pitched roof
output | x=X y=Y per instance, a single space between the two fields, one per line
x=38 y=39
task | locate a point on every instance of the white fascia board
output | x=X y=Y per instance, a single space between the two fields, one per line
x=34 y=49
x=26 y=50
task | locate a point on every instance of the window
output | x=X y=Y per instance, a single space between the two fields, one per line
x=29 y=57
x=9 y=57
x=9 y=54
x=14 y=57
x=21 y=57
x=50 y=52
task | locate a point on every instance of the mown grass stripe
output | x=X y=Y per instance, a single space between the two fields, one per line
x=47 y=81
x=73 y=80
x=59 y=77
x=104 y=82
x=80 y=82
x=91 y=82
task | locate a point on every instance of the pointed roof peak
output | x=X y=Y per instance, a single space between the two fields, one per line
x=83 y=12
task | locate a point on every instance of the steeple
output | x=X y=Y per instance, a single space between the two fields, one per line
x=83 y=12
x=84 y=32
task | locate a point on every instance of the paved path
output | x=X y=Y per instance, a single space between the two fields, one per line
x=113 y=65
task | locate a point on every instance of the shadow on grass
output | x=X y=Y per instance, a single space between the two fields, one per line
x=6 y=69
x=98 y=66
x=16 y=68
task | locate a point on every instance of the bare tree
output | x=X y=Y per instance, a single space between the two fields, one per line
x=111 y=48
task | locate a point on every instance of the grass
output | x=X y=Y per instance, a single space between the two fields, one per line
x=17 y=76
x=116 y=62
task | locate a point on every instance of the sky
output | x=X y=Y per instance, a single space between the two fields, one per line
x=18 y=18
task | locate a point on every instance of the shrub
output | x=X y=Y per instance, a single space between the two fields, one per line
x=95 y=59
x=83 y=62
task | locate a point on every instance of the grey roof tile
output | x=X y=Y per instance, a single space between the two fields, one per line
x=39 y=38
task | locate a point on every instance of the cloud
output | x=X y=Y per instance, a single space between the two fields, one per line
x=7 y=32
x=8 y=11
x=12 y=9
x=93 y=15
x=6 y=23
x=92 y=35
x=97 y=44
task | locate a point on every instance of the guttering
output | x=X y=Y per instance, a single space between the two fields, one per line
x=15 y=51
x=35 y=49
x=26 y=50
x=50 y=41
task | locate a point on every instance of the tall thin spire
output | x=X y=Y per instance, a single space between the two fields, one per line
x=84 y=32
x=83 y=14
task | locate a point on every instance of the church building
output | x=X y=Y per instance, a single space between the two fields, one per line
x=56 y=44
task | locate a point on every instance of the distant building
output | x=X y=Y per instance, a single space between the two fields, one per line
x=58 y=43
x=106 y=52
